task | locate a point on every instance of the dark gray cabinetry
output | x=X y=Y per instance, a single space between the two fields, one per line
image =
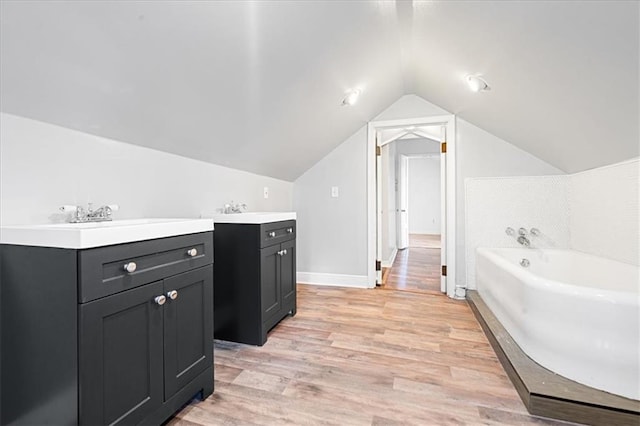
x=188 y=324
x=100 y=346
x=121 y=357
x=255 y=279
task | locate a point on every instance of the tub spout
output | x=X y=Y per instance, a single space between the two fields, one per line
x=524 y=241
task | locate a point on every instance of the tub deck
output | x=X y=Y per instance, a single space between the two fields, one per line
x=545 y=393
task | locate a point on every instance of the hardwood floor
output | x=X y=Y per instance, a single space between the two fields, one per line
x=424 y=240
x=416 y=268
x=363 y=357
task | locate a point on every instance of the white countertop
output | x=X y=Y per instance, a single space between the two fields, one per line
x=254 y=217
x=98 y=234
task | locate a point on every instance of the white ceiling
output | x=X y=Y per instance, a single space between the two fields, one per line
x=258 y=85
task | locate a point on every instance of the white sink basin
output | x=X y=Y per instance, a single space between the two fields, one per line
x=97 y=234
x=254 y=217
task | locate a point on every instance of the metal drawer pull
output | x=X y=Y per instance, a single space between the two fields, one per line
x=192 y=252
x=173 y=294
x=130 y=267
x=160 y=300
x=272 y=234
x=289 y=230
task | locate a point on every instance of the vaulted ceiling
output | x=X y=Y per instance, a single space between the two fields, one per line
x=258 y=85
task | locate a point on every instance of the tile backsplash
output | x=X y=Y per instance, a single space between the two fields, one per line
x=493 y=204
x=605 y=212
x=596 y=212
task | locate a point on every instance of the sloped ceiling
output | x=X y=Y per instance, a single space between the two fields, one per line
x=257 y=85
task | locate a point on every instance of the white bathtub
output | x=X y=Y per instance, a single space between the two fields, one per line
x=575 y=314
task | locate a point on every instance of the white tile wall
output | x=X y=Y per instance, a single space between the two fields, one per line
x=596 y=212
x=605 y=212
x=493 y=204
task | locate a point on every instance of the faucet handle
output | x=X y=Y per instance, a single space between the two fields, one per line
x=522 y=231
x=510 y=231
x=113 y=207
x=535 y=232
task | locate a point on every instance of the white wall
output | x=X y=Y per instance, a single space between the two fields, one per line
x=424 y=195
x=332 y=232
x=323 y=252
x=595 y=212
x=605 y=211
x=417 y=146
x=45 y=166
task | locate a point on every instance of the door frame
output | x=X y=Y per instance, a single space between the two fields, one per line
x=448 y=282
x=402 y=198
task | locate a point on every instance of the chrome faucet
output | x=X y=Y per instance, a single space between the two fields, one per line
x=524 y=241
x=234 y=208
x=81 y=215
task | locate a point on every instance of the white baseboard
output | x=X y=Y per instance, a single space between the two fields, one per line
x=387 y=263
x=339 y=280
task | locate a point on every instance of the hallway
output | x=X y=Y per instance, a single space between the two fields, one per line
x=416 y=268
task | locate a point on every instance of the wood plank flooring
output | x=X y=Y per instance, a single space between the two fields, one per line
x=416 y=268
x=363 y=357
x=424 y=240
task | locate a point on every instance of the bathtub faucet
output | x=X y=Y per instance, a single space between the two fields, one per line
x=524 y=241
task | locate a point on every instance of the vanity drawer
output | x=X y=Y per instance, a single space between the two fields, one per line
x=102 y=272
x=277 y=232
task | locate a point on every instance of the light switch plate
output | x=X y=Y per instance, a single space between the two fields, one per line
x=266 y=192
x=335 y=193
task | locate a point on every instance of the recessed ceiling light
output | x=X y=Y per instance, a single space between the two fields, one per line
x=351 y=97
x=477 y=83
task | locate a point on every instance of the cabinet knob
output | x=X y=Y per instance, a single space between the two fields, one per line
x=130 y=267
x=192 y=252
x=289 y=230
x=284 y=252
x=160 y=300
x=272 y=234
x=173 y=294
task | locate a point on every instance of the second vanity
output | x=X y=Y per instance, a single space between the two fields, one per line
x=255 y=275
x=105 y=323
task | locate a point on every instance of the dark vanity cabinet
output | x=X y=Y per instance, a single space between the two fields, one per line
x=255 y=279
x=113 y=335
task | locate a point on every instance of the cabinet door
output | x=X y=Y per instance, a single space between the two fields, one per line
x=121 y=357
x=270 y=281
x=288 y=274
x=188 y=327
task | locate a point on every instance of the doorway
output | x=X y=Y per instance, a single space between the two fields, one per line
x=410 y=204
x=381 y=133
